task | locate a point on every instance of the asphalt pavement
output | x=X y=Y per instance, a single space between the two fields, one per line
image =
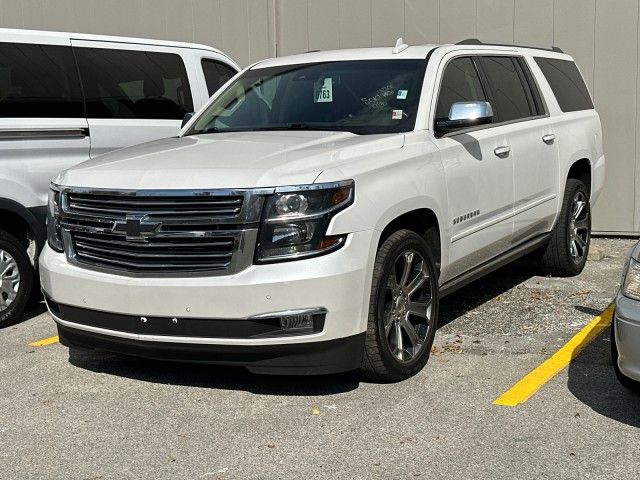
x=90 y=415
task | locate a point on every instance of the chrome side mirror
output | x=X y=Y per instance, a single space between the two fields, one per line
x=465 y=115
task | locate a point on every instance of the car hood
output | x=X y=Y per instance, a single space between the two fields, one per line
x=226 y=160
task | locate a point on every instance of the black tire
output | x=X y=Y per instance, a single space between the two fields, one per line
x=625 y=381
x=558 y=258
x=379 y=362
x=9 y=314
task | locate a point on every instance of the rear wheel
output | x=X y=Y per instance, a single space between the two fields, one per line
x=566 y=253
x=403 y=309
x=16 y=279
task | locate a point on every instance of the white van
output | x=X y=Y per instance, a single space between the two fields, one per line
x=66 y=98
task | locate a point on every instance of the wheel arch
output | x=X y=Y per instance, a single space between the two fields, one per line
x=424 y=222
x=19 y=221
x=581 y=170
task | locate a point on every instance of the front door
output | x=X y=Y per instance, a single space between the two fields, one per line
x=478 y=167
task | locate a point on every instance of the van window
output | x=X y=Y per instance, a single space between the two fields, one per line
x=134 y=84
x=510 y=93
x=460 y=83
x=216 y=74
x=567 y=84
x=39 y=81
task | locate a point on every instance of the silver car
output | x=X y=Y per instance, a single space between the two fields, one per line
x=625 y=329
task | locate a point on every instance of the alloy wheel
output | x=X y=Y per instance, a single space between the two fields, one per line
x=407 y=306
x=579 y=227
x=9 y=280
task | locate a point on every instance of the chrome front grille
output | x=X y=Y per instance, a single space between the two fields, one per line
x=148 y=233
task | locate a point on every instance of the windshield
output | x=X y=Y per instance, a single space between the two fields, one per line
x=363 y=97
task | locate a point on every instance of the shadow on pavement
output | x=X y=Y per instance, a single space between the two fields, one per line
x=211 y=376
x=593 y=382
x=487 y=288
x=234 y=378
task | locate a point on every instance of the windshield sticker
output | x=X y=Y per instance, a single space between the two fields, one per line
x=323 y=91
x=402 y=94
x=396 y=115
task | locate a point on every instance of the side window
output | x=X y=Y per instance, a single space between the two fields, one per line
x=509 y=89
x=216 y=74
x=460 y=83
x=567 y=84
x=39 y=81
x=134 y=84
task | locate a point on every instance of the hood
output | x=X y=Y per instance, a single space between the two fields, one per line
x=226 y=160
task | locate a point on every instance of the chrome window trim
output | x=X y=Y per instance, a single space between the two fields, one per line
x=43 y=133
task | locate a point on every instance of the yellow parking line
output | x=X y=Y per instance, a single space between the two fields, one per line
x=45 y=341
x=534 y=380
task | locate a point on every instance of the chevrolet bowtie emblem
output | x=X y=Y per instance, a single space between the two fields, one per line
x=136 y=229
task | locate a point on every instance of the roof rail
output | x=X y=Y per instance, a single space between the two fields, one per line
x=475 y=41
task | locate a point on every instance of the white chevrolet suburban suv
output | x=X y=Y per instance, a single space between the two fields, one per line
x=311 y=216
x=68 y=97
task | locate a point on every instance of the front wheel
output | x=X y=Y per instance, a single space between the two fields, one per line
x=566 y=253
x=403 y=309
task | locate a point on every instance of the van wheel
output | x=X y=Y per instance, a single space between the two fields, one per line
x=16 y=279
x=625 y=381
x=566 y=253
x=403 y=309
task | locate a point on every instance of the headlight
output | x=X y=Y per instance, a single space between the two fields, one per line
x=296 y=219
x=54 y=233
x=631 y=283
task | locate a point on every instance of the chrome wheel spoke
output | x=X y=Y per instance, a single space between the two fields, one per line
x=416 y=341
x=398 y=352
x=419 y=309
x=418 y=281
x=406 y=269
x=578 y=207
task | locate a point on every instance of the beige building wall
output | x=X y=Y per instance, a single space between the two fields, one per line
x=602 y=35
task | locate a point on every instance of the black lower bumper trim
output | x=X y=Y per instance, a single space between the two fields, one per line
x=316 y=358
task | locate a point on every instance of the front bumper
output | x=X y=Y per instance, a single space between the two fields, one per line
x=626 y=325
x=338 y=283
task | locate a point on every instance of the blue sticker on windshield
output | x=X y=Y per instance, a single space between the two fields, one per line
x=402 y=94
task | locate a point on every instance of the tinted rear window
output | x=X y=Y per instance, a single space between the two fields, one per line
x=510 y=92
x=567 y=84
x=216 y=74
x=39 y=81
x=134 y=84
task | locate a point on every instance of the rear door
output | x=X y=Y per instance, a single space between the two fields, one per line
x=518 y=107
x=43 y=129
x=134 y=93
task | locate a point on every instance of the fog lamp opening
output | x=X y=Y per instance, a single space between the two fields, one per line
x=297 y=323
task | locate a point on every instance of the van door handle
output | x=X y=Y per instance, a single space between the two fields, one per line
x=549 y=138
x=502 y=151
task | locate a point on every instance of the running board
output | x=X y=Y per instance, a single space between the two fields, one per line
x=493 y=264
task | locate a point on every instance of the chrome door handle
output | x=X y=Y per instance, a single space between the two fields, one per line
x=549 y=138
x=502 y=151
